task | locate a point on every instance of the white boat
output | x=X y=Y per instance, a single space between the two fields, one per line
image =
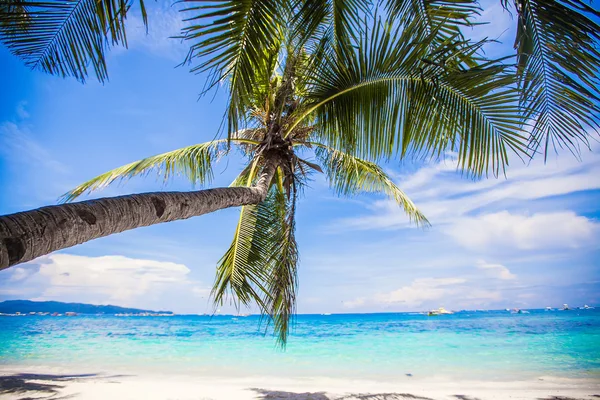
x=565 y=307
x=586 y=307
x=548 y=308
x=439 y=311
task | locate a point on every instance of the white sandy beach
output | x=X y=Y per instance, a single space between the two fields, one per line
x=35 y=384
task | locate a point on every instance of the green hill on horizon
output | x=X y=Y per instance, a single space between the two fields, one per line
x=27 y=306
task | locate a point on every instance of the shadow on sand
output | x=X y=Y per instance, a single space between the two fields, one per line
x=264 y=394
x=41 y=386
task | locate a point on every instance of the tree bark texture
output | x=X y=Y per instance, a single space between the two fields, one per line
x=27 y=235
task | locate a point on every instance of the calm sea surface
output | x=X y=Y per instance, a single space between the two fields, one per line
x=491 y=345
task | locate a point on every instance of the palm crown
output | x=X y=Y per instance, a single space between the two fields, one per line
x=353 y=84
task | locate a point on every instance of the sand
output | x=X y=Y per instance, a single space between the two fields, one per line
x=35 y=384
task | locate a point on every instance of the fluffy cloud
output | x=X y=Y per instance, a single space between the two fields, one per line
x=496 y=270
x=106 y=279
x=446 y=198
x=360 y=301
x=503 y=230
x=425 y=293
x=421 y=290
x=21 y=273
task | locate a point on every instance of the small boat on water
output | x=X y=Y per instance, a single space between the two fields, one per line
x=519 y=311
x=566 y=307
x=586 y=307
x=548 y=308
x=439 y=311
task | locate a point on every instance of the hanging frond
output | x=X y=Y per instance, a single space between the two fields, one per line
x=559 y=70
x=66 y=37
x=193 y=162
x=234 y=40
x=394 y=96
x=349 y=175
x=260 y=265
x=241 y=272
x=282 y=277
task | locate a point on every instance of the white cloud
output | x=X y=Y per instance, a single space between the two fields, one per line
x=496 y=270
x=425 y=293
x=106 y=279
x=420 y=291
x=495 y=215
x=20 y=273
x=360 y=301
x=503 y=230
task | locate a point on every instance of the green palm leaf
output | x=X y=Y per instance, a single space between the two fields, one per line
x=336 y=21
x=241 y=271
x=559 y=68
x=194 y=162
x=65 y=37
x=282 y=277
x=446 y=15
x=349 y=175
x=393 y=95
x=440 y=19
x=234 y=40
x=260 y=264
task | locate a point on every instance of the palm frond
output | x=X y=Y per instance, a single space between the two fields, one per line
x=349 y=175
x=339 y=20
x=559 y=68
x=67 y=37
x=241 y=271
x=260 y=264
x=248 y=173
x=235 y=39
x=446 y=15
x=394 y=95
x=439 y=19
x=282 y=278
x=193 y=162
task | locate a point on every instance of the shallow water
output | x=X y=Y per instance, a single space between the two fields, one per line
x=489 y=345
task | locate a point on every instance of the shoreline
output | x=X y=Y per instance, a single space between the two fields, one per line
x=34 y=383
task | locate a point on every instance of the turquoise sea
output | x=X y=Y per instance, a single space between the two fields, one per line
x=487 y=345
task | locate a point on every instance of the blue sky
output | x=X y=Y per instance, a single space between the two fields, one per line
x=530 y=240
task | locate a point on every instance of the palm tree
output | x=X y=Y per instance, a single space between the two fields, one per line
x=317 y=86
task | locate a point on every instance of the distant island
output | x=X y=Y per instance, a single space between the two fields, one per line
x=27 y=306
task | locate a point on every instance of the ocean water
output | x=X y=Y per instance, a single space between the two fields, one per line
x=487 y=345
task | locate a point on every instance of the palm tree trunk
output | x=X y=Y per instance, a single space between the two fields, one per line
x=31 y=234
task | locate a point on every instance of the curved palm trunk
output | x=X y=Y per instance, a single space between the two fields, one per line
x=31 y=234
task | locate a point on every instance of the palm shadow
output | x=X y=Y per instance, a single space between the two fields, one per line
x=45 y=385
x=265 y=394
